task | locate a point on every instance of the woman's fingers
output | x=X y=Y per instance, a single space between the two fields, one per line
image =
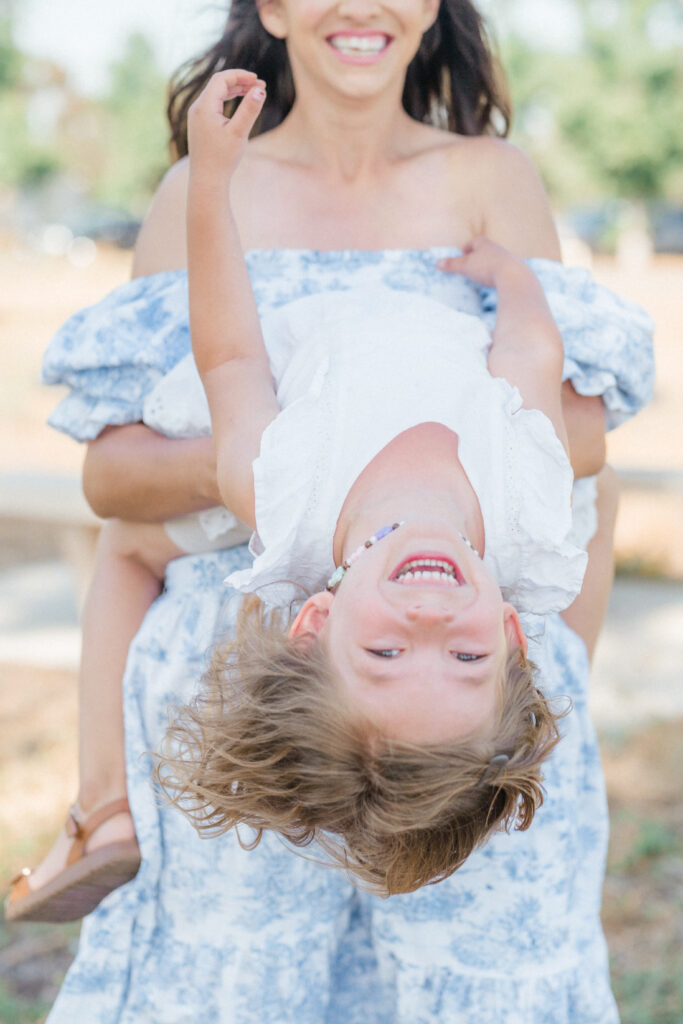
x=216 y=142
x=223 y=87
x=242 y=88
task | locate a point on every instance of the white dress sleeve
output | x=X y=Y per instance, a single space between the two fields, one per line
x=529 y=546
x=176 y=406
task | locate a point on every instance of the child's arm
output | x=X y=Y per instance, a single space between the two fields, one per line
x=226 y=333
x=527 y=347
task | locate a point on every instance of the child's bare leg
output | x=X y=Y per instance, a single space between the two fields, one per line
x=130 y=563
x=586 y=615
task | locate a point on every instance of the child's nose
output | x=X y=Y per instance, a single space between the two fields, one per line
x=429 y=612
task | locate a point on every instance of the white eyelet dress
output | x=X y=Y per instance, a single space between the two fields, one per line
x=355 y=370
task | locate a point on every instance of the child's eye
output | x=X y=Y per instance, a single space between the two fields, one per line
x=467 y=657
x=392 y=652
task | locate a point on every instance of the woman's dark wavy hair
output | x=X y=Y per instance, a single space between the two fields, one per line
x=453 y=82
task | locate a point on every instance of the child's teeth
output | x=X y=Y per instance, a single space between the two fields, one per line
x=428 y=569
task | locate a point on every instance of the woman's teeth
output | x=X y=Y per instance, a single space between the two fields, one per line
x=359 y=46
x=428 y=570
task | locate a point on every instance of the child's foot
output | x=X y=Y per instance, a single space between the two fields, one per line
x=93 y=855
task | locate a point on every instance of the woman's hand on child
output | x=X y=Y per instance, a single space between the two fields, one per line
x=216 y=142
x=482 y=261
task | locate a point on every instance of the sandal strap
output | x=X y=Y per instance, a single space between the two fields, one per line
x=24 y=873
x=79 y=831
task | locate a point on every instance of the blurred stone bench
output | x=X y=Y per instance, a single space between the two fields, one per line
x=649 y=534
x=668 y=481
x=52 y=506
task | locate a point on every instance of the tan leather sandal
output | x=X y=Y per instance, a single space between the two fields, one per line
x=87 y=877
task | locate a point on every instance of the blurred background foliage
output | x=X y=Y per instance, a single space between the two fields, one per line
x=602 y=119
x=605 y=121
x=109 y=150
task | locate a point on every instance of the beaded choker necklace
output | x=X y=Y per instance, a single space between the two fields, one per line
x=341 y=570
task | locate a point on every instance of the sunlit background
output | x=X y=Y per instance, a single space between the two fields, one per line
x=598 y=92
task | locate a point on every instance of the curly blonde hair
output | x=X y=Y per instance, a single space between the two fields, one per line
x=271 y=742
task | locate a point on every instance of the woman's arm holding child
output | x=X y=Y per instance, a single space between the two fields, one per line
x=224 y=323
x=131 y=472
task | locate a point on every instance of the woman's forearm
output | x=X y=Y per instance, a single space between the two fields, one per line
x=131 y=472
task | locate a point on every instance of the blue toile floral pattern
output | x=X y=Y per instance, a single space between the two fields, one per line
x=210 y=932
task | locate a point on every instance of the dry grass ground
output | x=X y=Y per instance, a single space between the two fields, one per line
x=644 y=889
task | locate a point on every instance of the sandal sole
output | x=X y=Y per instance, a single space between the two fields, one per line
x=78 y=889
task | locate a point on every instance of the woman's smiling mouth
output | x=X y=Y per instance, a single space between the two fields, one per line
x=359 y=47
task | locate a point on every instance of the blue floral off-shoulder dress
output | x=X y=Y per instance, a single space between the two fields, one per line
x=208 y=932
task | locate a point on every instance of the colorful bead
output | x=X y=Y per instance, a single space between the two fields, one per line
x=469 y=544
x=341 y=570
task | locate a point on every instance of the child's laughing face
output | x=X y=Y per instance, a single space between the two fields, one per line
x=419 y=636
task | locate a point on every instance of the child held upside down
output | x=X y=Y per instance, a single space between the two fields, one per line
x=410 y=726
x=423 y=502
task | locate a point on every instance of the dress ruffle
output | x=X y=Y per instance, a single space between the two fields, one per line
x=578 y=996
x=607 y=339
x=545 y=564
x=177 y=406
x=285 y=476
x=111 y=355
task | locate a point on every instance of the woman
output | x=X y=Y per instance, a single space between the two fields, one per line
x=208 y=931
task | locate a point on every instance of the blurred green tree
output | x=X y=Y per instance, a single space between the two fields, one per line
x=10 y=58
x=606 y=120
x=132 y=136
x=24 y=160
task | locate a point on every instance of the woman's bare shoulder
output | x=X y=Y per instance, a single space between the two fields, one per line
x=162 y=242
x=514 y=209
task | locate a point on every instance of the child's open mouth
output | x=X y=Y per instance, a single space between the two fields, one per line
x=359 y=47
x=428 y=569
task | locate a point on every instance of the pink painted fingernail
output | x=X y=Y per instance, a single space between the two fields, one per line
x=258 y=94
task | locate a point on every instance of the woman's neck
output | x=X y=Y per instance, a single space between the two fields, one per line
x=418 y=477
x=349 y=141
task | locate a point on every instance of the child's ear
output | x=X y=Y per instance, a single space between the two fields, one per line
x=272 y=18
x=513 y=629
x=313 y=615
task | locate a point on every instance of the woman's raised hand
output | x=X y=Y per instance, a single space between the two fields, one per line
x=217 y=142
